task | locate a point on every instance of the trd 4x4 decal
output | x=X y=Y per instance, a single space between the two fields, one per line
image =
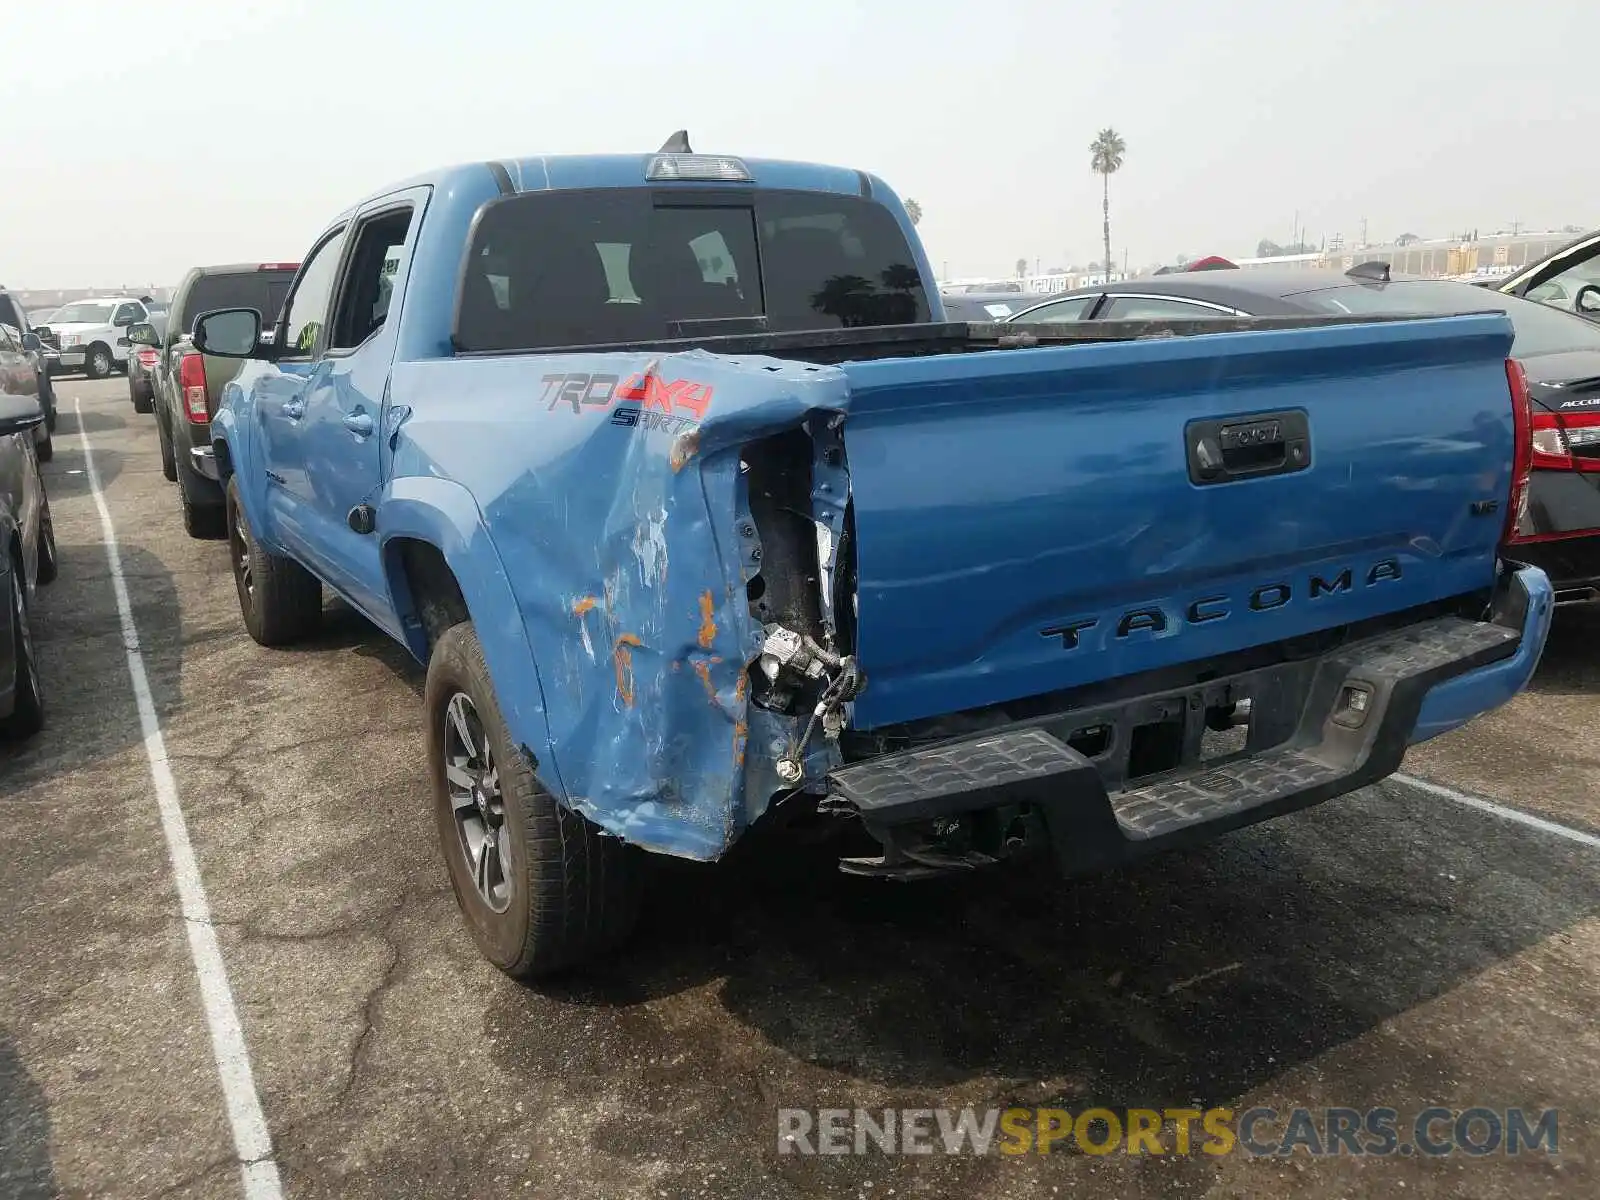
x=652 y=402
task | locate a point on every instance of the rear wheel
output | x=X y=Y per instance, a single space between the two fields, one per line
x=541 y=888
x=47 y=394
x=280 y=600
x=169 y=460
x=140 y=394
x=27 y=712
x=44 y=447
x=97 y=361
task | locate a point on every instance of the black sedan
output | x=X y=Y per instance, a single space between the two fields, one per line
x=26 y=537
x=1568 y=279
x=1559 y=351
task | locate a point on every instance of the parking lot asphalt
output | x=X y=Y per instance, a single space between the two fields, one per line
x=1390 y=948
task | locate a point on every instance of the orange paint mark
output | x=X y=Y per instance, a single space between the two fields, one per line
x=583 y=605
x=622 y=660
x=703 y=669
x=708 y=624
x=741 y=730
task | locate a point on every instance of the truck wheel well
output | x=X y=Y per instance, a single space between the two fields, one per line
x=436 y=602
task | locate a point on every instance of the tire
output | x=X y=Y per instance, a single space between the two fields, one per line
x=202 y=517
x=143 y=398
x=98 y=362
x=46 y=450
x=280 y=600
x=47 y=394
x=27 y=713
x=49 y=564
x=169 y=459
x=558 y=892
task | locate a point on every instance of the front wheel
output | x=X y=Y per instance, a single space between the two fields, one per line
x=541 y=888
x=45 y=447
x=280 y=600
x=97 y=363
x=27 y=712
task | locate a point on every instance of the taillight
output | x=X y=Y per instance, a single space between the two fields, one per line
x=1566 y=441
x=1522 y=454
x=147 y=358
x=192 y=383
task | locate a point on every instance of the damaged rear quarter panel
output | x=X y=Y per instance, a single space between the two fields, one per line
x=609 y=489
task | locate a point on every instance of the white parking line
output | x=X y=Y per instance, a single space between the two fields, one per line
x=1500 y=810
x=251 y=1140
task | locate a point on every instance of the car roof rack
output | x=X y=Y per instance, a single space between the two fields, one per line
x=678 y=143
x=1370 y=270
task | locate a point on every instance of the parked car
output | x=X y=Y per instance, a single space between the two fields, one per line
x=1568 y=279
x=12 y=314
x=1559 y=353
x=27 y=540
x=91 y=335
x=186 y=384
x=672 y=473
x=142 y=362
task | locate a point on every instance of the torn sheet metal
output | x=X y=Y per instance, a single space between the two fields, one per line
x=617 y=509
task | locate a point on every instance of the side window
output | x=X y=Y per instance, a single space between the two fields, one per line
x=308 y=305
x=6 y=344
x=1058 y=313
x=126 y=314
x=368 y=284
x=1143 y=308
x=9 y=313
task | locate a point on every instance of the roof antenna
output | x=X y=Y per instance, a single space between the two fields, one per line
x=678 y=143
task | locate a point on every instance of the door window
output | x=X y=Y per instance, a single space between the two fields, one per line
x=1072 y=309
x=308 y=304
x=1147 y=308
x=368 y=283
x=127 y=314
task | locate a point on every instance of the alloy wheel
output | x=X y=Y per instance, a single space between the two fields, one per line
x=473 y=781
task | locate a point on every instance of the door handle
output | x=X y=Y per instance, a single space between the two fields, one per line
x=294 y=409
x=358 y=423
x=1248 y=447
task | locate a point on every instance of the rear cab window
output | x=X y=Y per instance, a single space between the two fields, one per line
x=607 y=265
x=262 y=290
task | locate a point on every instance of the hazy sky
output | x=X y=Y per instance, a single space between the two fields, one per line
x=145 y=136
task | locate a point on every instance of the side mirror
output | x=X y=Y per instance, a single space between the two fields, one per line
x=1587 y=301
x=142 y=333
x=19 y=414
x=31 y=343
x=229 y=333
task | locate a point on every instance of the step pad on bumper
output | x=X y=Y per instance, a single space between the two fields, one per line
x=1171 y=804
x=951 y=776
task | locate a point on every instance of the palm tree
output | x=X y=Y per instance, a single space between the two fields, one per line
x=1105 y=156
x=914 y=211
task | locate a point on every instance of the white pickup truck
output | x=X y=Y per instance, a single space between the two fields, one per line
x=92 y=335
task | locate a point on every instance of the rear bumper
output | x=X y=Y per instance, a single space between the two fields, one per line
x=1308 y=742
x=1564 y=520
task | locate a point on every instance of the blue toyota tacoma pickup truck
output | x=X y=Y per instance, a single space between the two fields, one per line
x=670 y=469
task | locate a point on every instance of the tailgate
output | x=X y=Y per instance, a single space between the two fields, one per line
x=1031 y=520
